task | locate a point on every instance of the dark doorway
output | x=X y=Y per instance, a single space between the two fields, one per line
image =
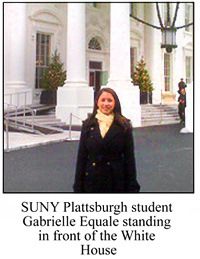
x=98 y=82
x=97 y=77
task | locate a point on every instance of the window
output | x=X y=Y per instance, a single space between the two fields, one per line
x=94 y=44
x=95 y=73
x=133 y=9
x=188 y=16
x=133 y=59
x=167 y=71
x=93 y=4
x=43 y=45
x=95 y=65
x=188 y=70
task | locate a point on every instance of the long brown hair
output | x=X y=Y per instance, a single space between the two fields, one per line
x=124 y=122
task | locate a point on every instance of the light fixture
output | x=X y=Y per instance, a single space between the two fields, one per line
x=168 y=39
x=168 y=30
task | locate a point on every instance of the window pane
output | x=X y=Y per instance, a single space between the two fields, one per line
x=188 y=69
x=38 y=38
x=94 y=44
x=95 y=65
x=48 y=39
x=42 y=50
x=92 y=79
x=104 y=78
x=167 y=71
x=133 y=59
x=42 y=39
x=92 y=4
x=42 y=56
x=188 y=16
x=133 y=9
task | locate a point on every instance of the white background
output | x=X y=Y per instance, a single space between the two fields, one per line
x=181 y=241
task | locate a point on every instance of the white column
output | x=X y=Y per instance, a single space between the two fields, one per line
x=75 y=96
x=15 y=14
x=189 y=110
x=16 y=91
x=153 y=52
x=76 y=72
x=120 y=78
x=179 y=53
x=120 y=44
x=179 y=57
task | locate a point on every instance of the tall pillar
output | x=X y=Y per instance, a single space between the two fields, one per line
x=153 y=52
x=76 y=73
x=179 y=53
x=75 y=96
x=15 y=51
x=120 y=74
x=189 y=124
x=120 y=44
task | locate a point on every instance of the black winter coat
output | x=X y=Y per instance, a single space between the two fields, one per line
x=106 y=165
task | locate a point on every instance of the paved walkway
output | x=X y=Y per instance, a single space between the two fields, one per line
x=164 y=159
x=20 y=140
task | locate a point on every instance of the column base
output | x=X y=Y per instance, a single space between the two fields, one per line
x=76 y=100
x=129 y=96
x=16 y=84
x=156 y=97
x=74 y=84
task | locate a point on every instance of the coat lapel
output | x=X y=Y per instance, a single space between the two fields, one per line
x=95 y=133
x=112 y=132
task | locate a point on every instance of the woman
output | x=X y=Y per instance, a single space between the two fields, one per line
x=106 y=162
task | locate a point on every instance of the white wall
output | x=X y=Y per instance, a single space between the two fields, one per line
x=52 y=18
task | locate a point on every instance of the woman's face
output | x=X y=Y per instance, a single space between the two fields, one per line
x=106 y=103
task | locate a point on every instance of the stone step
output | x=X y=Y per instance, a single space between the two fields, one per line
x=154 y=123
x=158 y=109
x=157 y=114
x=159 y=119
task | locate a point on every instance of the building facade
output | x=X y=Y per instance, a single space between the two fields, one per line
x=99 y=44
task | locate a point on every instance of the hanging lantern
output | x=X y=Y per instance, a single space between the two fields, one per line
x=169 y=30
x=168 y=38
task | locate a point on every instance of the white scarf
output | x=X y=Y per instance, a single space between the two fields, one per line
x=104 y=121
